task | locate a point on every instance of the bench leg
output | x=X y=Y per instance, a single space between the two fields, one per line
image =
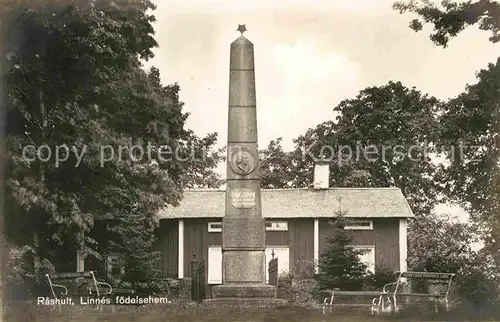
x=376 y=303
x=56 y=307
x=327 y=303
x=55 y=297
x=443 y=304
x=386 y=304
x=394 y=308
x=327 y=309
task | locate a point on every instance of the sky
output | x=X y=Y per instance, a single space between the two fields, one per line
x=309 y=56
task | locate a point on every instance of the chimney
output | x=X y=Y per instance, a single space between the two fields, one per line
x=321 y=175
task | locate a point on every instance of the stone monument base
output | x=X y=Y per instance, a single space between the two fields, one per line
x=246 y=303
x=245 y=296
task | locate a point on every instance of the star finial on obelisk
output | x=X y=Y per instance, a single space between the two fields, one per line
x=242 y=29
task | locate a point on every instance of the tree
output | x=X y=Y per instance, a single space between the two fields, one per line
x=395 y=128
x=477 y=283
x=201 y=160
x=439 y=243
x=450 y=18
x=294 y=169
x=382 y=138
x=339 y=264
x=132 y=240
x=197 y=156
x=75 y=85
x=470 y=124
x=276 y=166
x=469 y=121
x=442 y=244
x=54 y=98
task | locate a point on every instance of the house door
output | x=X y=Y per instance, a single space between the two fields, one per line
x=283 y=255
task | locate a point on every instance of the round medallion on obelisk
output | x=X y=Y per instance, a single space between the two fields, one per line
x=242 y=161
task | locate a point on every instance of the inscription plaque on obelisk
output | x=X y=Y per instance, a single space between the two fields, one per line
x=243 y=227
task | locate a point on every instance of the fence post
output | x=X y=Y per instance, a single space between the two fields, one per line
x=194 y=279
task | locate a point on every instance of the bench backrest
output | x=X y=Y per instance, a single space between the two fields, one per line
x=73 y=282
x=70 y=275
x=426 y=275
x=429 y=278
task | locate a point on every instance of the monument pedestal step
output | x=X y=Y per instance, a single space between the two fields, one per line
x=245 y=296
x=246 y=303
x=244 y=291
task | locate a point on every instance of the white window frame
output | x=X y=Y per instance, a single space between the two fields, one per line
x=277 y=226
x=370 y=268
x=212 y=229
x=355 y=227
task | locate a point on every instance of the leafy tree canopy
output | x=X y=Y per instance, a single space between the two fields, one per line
x=470 y=121
x=450 y=18
x=74 y=84
x=382 y=138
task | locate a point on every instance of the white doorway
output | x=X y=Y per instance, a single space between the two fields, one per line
x=283 y=255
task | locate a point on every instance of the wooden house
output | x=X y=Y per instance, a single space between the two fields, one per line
x=297 y=226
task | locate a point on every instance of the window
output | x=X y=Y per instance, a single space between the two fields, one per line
x=359 y=225
x=114 y=266
x=367 y=256
x=214 y=265
x=214 y=227
x=276 y=226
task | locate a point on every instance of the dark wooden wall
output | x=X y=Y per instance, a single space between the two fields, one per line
x=197 y=239
x=299 y=237
x=277 y=238
x=168 y=245
x=384 y=236
x=301 y=242
x=387 y=239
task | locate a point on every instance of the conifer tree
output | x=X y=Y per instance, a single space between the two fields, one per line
x=339 y=264
x=132 y=241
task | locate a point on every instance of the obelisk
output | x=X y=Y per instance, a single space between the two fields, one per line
x=243 y=227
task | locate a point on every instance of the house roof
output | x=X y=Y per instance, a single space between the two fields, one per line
x=299 y=203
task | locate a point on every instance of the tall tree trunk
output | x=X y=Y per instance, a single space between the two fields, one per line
x=41 y=178
x=4 y=247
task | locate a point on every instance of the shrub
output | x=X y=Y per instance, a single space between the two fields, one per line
x=304 y=269
x=441 y=244
x=21 y=281
x=477 y=288
x=377 y=280
x=286 y=278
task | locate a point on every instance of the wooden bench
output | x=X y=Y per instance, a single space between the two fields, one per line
x=402 y=288
x=81 y=284
x=381 y=301
x=386 y=301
